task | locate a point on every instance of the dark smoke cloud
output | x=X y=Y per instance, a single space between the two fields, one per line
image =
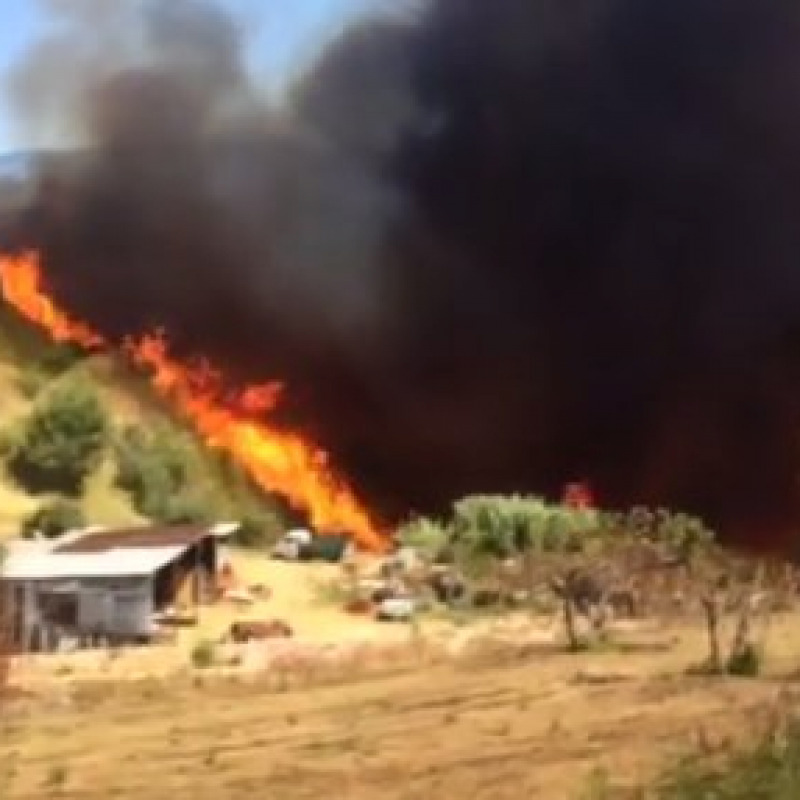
x=619 y=182
x=502 y=246
x=194 y=201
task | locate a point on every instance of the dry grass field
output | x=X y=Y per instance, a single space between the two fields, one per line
x=496 y=722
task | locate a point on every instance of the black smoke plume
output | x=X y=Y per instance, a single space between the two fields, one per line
x=489 y=246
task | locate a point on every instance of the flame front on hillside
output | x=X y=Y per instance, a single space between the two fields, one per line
x=278 y=461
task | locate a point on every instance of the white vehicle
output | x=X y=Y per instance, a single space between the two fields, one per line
x=292 y=543
x=396 y=609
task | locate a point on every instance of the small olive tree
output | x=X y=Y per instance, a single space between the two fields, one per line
x=53 y=519
x=62 y=441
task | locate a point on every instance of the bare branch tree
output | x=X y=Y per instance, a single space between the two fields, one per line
x=710 y=602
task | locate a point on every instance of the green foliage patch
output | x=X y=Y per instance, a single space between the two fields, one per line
x=172 y=478
x=61 y=442
x=488 y=528
x=53 y=519
x=767 y=770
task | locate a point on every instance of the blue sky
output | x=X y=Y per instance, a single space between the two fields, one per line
x=282 y=35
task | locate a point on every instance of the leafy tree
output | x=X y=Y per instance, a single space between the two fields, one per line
x=53 y=519
x=172 y=479
x=186 y=509
x=61 y=442
x=258 y=528
x=505 y=526
x=425 y=535
x=152 y=468
x=58 y=358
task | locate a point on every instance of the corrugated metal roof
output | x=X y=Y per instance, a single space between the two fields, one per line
x=13 y=546
x=139 y=537
x=115 y=563
x=222 y=530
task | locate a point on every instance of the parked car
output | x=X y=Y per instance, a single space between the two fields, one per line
x=396 y=609
x=303 y=545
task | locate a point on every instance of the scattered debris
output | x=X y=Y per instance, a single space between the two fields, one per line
x=245 y=631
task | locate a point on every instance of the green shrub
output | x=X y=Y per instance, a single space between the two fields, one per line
x=425 y=535
x=204 y=654
x=154 y=468
x=55 y=361
x=172 y=479
x=504 y=526
x=259 y=529
x=746 y=663
x=186 y=509
x=58 y=358
x=30 y=382
x=61 y=442
x=53 y=519
x=767 y=770
x=598 y=786
x=683 y=532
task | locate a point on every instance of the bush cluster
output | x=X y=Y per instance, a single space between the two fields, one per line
x=156 y=469
x=500 y=527
x=171 y=479
x=55 y=360
x=53 y=519
x=767 y=770
x=490 y=528
x=683 y=532
x=204 y=654
x=61 y=442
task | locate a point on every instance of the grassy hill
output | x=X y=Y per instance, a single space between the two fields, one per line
x=149 y=464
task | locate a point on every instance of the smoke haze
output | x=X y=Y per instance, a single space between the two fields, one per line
x=489 y=246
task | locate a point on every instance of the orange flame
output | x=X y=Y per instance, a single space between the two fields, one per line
x=21 y=282
x=278 y=461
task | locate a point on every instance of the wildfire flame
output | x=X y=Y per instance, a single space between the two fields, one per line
x=278 y=461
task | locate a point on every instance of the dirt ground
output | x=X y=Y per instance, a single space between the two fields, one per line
x=491 y=719
x=297 y=596
x=481 y=726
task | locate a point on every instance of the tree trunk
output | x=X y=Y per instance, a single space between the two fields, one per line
x=741 y=637
x=711 y=608
x=573 y=641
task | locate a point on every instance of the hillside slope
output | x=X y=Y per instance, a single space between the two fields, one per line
x=32 y=367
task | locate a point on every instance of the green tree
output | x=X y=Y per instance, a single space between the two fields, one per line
x=53 y=519
x=427 y=536
x=153 y=467
x=172 y=479
x=259 y=528
x=61 y=442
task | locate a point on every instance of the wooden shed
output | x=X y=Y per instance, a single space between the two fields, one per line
x=107 y=584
